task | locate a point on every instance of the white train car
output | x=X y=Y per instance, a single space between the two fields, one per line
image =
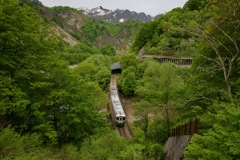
x=119 y=115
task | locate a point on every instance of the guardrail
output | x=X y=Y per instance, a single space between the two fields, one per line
x=189 y=128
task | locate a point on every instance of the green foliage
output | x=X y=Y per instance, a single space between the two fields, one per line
x=63 y=9
x=208 y=30
x=166 y=36
x=79 y=53
x=109 y=146
x=108 y=50
x=39 y=93
x=96 y=69
x=150 y=149
x=143 y=111
x=102 y=77
x=202 y=88
x=160 y=83
x=86 y=70
x=60 y=11
x=160 y=86
x=74 y=58
x=101 y=60
x=68 y=152
x=221 y=141
x=97 y=32
x=128 y=60
x=23 y=45
x=216 y=37
x=115 y=34
x=127 y=82
x=144 y=34
x=12 y=98
x=47 y=132
x=14 y=146
x=128 y=78
x=192 y=5
x=79 y=114
x=29 y=147
x=157 y=130
x=97 y=28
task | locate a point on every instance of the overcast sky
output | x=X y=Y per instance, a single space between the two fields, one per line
x=152 y=7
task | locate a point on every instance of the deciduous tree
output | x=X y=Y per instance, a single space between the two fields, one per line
x=218 y=28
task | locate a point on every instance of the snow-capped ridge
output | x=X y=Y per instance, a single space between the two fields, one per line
x=117 y=15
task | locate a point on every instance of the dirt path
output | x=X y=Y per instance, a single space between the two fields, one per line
x=128 y=108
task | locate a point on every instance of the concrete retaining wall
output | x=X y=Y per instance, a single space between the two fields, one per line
x=174 y=146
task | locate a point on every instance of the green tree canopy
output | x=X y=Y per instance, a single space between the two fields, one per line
x=221 y=141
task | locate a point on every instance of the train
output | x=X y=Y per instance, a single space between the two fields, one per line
x=118 y=112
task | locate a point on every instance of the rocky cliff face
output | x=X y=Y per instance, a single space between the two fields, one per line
x=117 y=15
x=64 y=22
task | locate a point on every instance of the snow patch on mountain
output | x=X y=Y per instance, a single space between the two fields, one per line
x=121 y=20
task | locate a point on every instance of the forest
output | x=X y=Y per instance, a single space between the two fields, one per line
x=49 y=110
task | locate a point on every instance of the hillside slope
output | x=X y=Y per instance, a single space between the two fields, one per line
x=72 y=27
x=165 y=36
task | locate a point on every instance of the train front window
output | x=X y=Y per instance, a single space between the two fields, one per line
x=123 y=118
x=117 y=118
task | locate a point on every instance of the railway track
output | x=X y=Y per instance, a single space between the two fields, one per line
x=123 y=131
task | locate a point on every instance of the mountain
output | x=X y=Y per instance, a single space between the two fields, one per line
x=72 y=27
x=117 y=15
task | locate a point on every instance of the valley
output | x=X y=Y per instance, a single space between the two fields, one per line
x=55 y=75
